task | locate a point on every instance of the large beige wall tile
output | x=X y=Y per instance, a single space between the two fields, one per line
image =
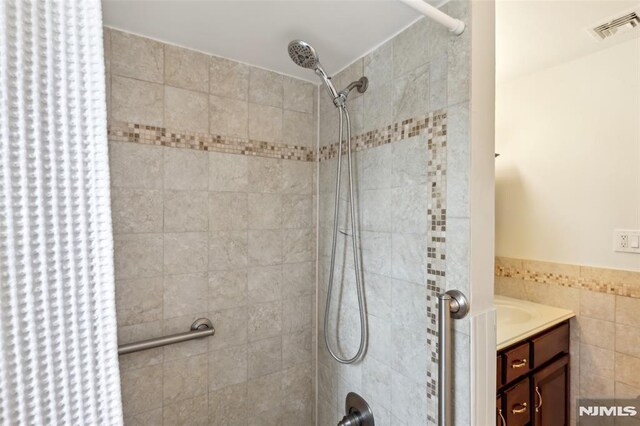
x=627 y=311
x=298 y=245
x=227 y=289
x=228 y=406
x=299 y=279
x=186 y=110
x=228 y=211
x=297 y=314
x=138 y=300
x=153 y=417
x=411 y=94
x=265 y=211
x=229 y=79
x=136 y=210
x=628 y=340
x=231 y=328
x=265 y=123
x=597 y=332
x=137 y=255
x=298 y=177
x=265 y=283
x=298 y=129
x=185 y=294
x=265 y=393
x=297 y=211
x=135 y=101
x=186 y=68
x=182 y=381
x=185 y=252
x=141 y=389
x=592 y=385
x=264 y=174
x=297 y=349
x=228 y=172
x=135 y=166
x=227 y=366
x=625 y=391
x=228 y=117
x=185 y=211
x=185 y=169
x=410 y=49
x=227 y=250
x=596 y=361
x=298 y=95
x=264 y=357
x=627 y=368
x=265 y=247
x=597 y=305
x=187 y=412
x=265 y=87
x=136 y=57
x=265 y=320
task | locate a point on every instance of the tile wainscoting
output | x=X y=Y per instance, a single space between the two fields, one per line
x=605 y=334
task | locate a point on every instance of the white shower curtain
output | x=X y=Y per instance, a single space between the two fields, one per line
x=58 y=349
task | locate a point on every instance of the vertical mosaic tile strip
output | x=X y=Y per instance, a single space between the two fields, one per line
x=436 y=126
x=609 y=281
x=430 y=123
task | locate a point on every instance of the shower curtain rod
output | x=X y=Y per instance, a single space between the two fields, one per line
x=455 y=26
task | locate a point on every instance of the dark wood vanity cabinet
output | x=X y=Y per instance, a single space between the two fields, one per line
x=533 y=380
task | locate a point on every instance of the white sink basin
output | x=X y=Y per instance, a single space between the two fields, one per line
x=518 y=319
x=510 y=313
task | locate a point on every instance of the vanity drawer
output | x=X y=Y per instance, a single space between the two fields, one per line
x=499 y=381
x=550 y=344
x=517 y=404
x=516 y=362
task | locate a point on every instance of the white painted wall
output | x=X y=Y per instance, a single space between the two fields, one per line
x=569 y=169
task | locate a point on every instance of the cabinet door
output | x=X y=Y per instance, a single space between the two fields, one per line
x=500 y=420
x=550 y=394
x=518 y=404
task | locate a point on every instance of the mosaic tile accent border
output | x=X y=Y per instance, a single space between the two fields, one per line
x=431 y=123
x=160 y=136
x=601 y=280
x=435 y=124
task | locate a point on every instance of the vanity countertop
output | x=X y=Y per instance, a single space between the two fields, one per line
x=518 y=319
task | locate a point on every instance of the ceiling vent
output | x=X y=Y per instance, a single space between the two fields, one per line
x=619 y=25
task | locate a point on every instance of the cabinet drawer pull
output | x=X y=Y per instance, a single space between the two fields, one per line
x=539 y=398
x=519 y=363
x=503 y=422
x=519 y=408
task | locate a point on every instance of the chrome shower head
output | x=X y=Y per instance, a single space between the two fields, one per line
x=303 y=54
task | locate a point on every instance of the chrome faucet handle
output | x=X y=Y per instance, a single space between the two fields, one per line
x=358 y=412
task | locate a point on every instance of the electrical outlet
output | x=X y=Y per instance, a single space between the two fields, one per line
x=626 y=240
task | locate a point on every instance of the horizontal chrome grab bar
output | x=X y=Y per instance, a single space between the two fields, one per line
x=202 y=327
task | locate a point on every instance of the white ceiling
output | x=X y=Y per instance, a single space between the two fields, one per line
x=535 y=34
x=258 y=32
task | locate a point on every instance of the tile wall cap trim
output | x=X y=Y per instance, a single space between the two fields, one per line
x=618 y=282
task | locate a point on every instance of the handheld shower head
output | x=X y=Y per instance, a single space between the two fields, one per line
x=305 y=56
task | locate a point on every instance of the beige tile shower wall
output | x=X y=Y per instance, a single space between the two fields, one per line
x=230 y=237
x=404 y=190
x=605 y=338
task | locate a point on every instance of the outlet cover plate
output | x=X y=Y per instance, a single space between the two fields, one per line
x=626 y=240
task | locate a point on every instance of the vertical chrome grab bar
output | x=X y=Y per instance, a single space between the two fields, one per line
x=451 y=305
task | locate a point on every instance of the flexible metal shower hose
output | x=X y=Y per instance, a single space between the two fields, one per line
x=342 y=110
